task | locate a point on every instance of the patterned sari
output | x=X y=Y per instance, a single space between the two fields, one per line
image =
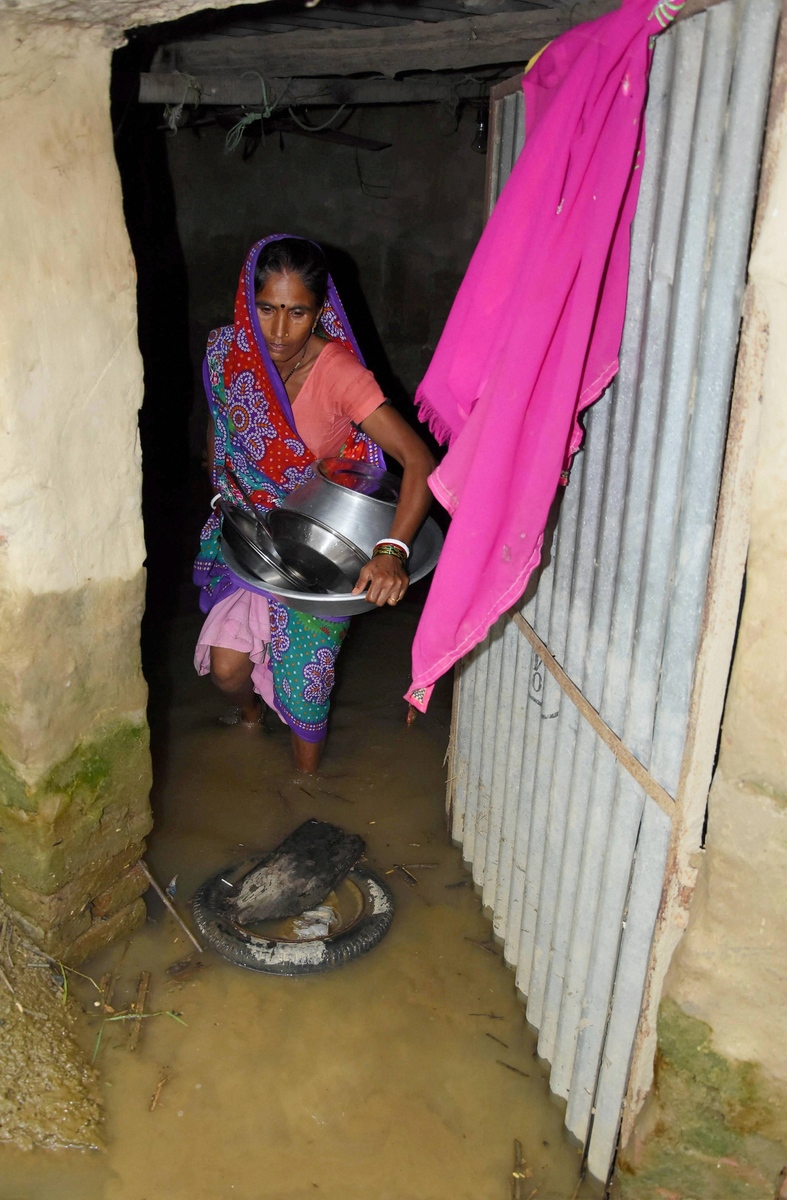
x=256 y=438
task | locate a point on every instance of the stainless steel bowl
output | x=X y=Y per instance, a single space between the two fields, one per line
x=353 y=498
x=425 y=553
x=241 y=532
x=327 y=561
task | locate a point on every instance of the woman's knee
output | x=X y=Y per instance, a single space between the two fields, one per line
x=229 y=669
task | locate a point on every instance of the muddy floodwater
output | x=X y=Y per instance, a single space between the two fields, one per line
x=406 y=1075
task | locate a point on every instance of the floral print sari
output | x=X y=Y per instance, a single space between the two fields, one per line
x=256 y=439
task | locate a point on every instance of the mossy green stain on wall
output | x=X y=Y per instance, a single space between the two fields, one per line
x=13 y=791
x=88 y=808
x=86 y=771
x=710 y=1124
x=89 y=769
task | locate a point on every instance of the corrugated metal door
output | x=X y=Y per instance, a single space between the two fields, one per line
x=564 y=780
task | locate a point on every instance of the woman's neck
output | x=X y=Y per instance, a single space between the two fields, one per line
x=294 y=377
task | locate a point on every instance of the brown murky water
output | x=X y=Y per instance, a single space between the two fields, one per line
x=384 y=1080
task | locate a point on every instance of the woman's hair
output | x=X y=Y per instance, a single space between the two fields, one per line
x=294 y=256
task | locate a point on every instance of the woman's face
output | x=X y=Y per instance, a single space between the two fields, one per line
x=288 y=312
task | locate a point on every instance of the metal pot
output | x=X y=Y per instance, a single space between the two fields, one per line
x=355 y=499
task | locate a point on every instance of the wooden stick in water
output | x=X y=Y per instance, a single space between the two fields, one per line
x=138 y=1008
x=508 y=1067
x=516 y=1181
x=155 y=1097
x=162 y=895
x=499 y=1041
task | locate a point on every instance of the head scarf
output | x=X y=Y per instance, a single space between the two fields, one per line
x=256 y=438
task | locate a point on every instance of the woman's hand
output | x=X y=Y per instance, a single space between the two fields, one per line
x=386 y=578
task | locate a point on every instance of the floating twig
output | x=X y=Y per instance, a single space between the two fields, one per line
x=490 y=1016
x=162 y=1012
x=285 y=803
x=459 y=883
x=490 y=947
x=162 y=895
x=73 y=971
x=499 y=1041
x=420 y=866
x=508 y=1067
x=516 y=1181
x=138 y=1009
x=409 y=879
x=334 y=796
x=155 y=1097
x=184 y=968
x=132 y=1016
x=107 y=984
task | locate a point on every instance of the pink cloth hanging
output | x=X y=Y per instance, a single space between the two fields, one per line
x=534 y=333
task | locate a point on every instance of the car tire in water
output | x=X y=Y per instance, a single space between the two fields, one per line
x=280 y=957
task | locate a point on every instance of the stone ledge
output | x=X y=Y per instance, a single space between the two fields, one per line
x=105 y=930
x=132 y=884
x=75 y=895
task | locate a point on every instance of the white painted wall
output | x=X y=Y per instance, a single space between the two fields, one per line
x=70 y=370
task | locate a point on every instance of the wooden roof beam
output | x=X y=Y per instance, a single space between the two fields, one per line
x=232 y=91
x=421 y=46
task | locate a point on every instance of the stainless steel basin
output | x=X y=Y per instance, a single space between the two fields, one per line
x=327 y=561
x=256 y=554
x=425 y=553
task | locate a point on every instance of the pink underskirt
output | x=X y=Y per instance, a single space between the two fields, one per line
x=240 y=622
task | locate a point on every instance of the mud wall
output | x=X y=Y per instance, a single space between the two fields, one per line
x=715 y=1125
x=399 y=224
x=74 y=764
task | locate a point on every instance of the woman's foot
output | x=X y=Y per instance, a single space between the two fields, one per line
x=249 y=718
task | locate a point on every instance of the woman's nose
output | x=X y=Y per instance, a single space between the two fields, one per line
x=279 y=325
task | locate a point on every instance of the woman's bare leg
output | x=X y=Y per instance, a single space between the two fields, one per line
x=231 y=671
x=306 y=755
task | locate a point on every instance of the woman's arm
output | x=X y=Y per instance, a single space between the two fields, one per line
x=385 y=575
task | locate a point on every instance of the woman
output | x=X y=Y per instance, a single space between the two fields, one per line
x=286 y=385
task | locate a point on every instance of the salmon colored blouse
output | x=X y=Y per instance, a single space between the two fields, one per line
x=338 y=393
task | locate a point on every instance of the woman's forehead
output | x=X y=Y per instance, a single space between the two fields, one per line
x=286 y=289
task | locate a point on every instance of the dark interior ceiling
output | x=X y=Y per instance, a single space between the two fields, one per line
x=348 y=52
x=288 y=16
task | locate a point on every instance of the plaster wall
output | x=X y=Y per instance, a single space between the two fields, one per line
x=74 y=766
x=716 y=1122
x=730 y=966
